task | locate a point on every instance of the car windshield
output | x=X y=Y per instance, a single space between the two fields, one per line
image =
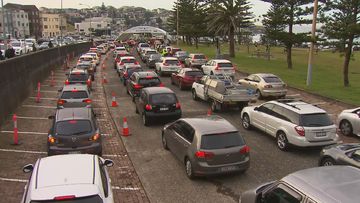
x=199 y=57
x=78 y=77
x=89 y=199
x=83 y=66
x=155 y=56
x=128 y=60
x=150 y=81
x=86 y=59
x=315 y=120
x=72 y=127
x=163 y=98
x=130 y=71
x=272 y=79
x=45 y=43
x=225 y=65
x=144 y=45
x=150 y=52
x=172 y=62
x=120 y=49
x=221 y=140
x=74 y=95
x=194 y=73
x=181 y=53
x=15 y=44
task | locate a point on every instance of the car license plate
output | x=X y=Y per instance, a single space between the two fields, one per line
x=75 y=152
x=164 y=109
x=228 y=168
x=320 y=134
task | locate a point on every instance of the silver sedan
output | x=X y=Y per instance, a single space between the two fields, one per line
x=349 y=122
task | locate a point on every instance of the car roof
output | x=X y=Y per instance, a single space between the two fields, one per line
x=127 y=57
x=170 y=58
x=190 y=69
x=73 y=114
x=197 y=54
x=79 y=87
x=210 y=124
x=221 y=61
x=327 y=184
x=143 y=74
x=299 y=107
x=262 y=75
x=75 y=70
x=158 y=90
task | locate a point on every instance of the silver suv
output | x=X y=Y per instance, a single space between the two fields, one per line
x=291 y=122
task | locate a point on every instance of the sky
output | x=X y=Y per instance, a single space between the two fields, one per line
x=259 y=7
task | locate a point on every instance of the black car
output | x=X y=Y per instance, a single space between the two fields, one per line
x=157 y=102
x=340 y=154
x=128 y=71
x=139 y=80
x=153 y=58
x=74 y=131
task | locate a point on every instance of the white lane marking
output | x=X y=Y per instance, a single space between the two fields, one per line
x=34 y=106
x=22 y=151
x=30 y=133
x=13 y=180
x=32 y=118
x=45 y=98
x=125 y=188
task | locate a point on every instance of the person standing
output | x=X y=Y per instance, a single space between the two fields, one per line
x=1 y=56
x=10 y=52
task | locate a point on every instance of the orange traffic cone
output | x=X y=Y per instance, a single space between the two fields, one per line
x=125 y=128
x=103 y=66
x=113 y=102
x=104 y=80
x=209 y=112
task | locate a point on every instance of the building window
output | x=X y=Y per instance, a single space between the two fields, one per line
x=18 y=23
x=56 y=19
x=45 y=27
x=23 y=24
x=56 y=26
x=99 y=25
x=45 y=19
x=18 y=16
x=22 y=15
x=27 y=24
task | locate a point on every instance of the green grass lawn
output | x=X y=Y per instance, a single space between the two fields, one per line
x=327 y=69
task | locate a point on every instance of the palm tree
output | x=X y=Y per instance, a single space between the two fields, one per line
x=225 y=16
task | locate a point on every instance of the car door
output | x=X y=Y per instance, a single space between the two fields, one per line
x=200 y=88
x=274 y=119
x=206 y=67
x=178 y=139
x=356 y=127
x=255 y=81
x=140 y=103
x=130 y=84
x=260 y=114
x=352 y=158
x=187 y=137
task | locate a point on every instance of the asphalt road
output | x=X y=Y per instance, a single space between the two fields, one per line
x=163 y=176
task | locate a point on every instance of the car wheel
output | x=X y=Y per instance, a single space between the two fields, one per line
x=164 y=142
x=258 y=93
x=194 y=96
x=246 y=122
x=145 y=119
x=282 y=141
x=181 y=85
x=189 y=169
x=327 y=162
x=213 y=106
x=346 y=128
x=211 y=73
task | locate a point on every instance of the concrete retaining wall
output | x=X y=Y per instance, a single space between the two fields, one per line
x=19 y=76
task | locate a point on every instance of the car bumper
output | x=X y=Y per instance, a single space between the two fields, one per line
x=174 y=114
x=205 y=169
x=275 y=93
x=303 y=142
x=228 y=73
x=94 y=148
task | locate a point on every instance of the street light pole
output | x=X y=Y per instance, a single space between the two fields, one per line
x=3 y=23
x=313 y=38
x=177 y=23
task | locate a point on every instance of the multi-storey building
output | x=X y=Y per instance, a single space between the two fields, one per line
x=52 y=24
x=16 y=23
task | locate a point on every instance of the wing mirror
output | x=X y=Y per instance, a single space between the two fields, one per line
x=28 y=168
x=108 y=163
x=51 y=117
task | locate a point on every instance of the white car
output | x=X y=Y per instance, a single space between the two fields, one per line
x=142 y=46
x=88 y=58
x=349 y=122
x=219 y=67
x=118 y=49
x=69 y=178
x=168 y=65
x=125 y=60
x=20 y=47
x=291 y=122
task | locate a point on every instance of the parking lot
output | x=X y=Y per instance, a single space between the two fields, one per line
x=143 y=170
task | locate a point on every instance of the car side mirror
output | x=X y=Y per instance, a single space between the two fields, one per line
x=108 y=163
x=28 y=168
x=51 y=117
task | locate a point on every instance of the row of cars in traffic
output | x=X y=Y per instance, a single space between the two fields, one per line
x=211 y=145
x=74 y=170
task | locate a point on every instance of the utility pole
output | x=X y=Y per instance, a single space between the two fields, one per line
x=313 y=38
x=177 y=23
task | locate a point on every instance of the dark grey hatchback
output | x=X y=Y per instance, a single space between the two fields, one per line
x=206 y=146
x=74 y=131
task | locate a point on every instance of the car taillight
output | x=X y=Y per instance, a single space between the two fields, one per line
x=67 y=197
x=51 y=139
x=94 y=137
x=204 y=155
x=126 y=74
x=87 y=101
x=136 y=63
x=161 y=85
x=178 y=106
x=67 y=82
x=122 y=63
x=61 y=102
x=245 y=150
x=88 y=82
x=137 y=86
x=300 y=130
x=268 y=86
x=217 y=67
x=117 y=60
x=148 y=107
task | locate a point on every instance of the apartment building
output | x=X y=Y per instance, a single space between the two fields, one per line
x=52 y=25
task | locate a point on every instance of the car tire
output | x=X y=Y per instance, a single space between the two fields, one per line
x=346 y=128
x=211 y=73
x=246 y=122
x=181 y=86
x=194 y=96
x=258 y=93
x=145 y=119
x=327 y=161
x=189 y=169
x=281 y=141
x=214 y=107
x=164 y=142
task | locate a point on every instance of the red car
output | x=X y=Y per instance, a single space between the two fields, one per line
x=186 y=77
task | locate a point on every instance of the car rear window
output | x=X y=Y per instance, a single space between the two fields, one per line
x=172 y=62
x=315 y=120
x=89 y=199
x=144 y=45
x=150 y=52
x=221 y=140
x=154 y=81
x=86 y=59
x=272 y=79
x=130 y=71
x=83 y=66
x=199 y=57
x=78 y=77
x=163 y=98
x=120 y=49
x=155 y=56
x=194 y=73
x=128 y=60
x=225 y=65
x=72 y=127
x=74 y=95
